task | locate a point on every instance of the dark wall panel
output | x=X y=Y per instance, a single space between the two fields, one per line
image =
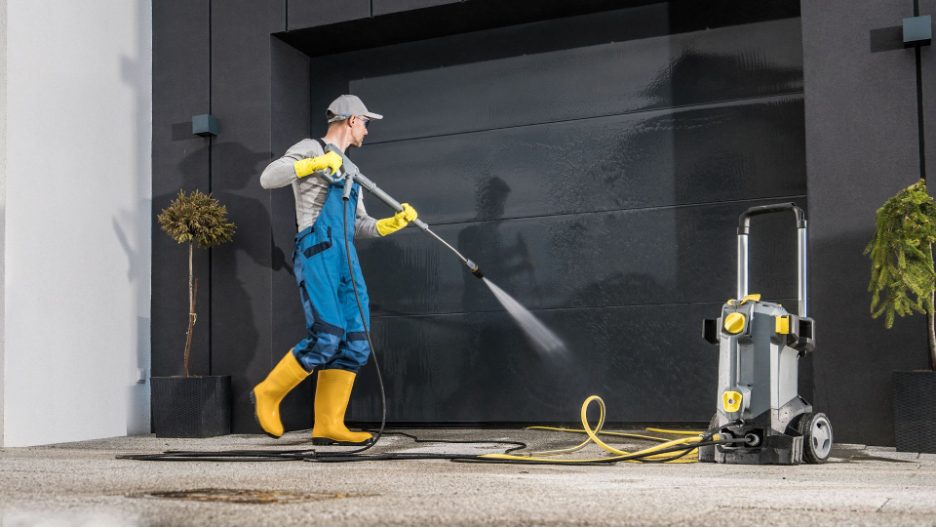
x=580 y=82
x=630 y=140
x=644 y=256
x=396 y=269
x=721 y=152
x=384 y=7
x=647 y=256
x=612 y=214
x=629 y=19
x=313 y=13
x=643 y=281
x=862 y=147
x=290 y=122
x=713 y=155
x=241 y=94
x=180 y=161
x=648 y=363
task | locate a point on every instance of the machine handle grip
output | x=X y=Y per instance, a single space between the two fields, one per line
x=744 y=225
x=744 y=222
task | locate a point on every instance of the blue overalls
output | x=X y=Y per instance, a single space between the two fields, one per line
x=336 y=337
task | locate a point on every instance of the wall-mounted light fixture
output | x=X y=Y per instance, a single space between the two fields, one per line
x=917 y=31
x=205 y=125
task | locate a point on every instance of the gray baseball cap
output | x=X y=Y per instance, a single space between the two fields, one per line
x=349 y=105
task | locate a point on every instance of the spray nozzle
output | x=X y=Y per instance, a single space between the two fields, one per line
x=474 y=269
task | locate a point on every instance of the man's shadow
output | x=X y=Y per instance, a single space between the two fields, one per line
x=483 y=240
x=497 y=343
x=235 y=340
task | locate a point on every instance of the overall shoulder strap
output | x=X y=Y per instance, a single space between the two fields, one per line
x=322 y=143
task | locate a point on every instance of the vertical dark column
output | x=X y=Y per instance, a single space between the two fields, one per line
x=241 y=271
x=180 y=161
x=921 y=124
x=927 y=89
x=290 y=123
x=862 y=146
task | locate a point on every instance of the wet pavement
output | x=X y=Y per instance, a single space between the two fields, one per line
x=83 y=483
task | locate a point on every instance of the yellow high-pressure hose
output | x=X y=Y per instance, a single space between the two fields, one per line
x=618 y=455
x=673 y=431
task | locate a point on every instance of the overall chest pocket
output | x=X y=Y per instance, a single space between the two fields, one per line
x=315 y=249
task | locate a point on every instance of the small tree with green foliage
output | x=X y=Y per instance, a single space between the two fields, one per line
x=903 y=279
x=197 y=219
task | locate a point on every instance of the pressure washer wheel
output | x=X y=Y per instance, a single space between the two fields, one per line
x=817 y=437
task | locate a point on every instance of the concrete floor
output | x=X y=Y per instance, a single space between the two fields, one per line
x=83 y=484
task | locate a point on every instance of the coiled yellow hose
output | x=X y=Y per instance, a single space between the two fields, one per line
x=646 y=455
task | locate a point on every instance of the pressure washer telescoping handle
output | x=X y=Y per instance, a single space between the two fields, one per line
x=744 y=225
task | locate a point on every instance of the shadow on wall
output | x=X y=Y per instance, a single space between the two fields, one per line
x=3 y=139
x=132 y=228
x=483 y=240
x=240 y=210
x=223 y=258
x=865 y=355
x=170 y=315
x=693 y=76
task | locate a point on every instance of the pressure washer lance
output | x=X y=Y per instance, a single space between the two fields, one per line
x=351 y=174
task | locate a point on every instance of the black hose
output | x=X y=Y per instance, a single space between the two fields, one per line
x=283 y=455
x=383 y=395
x=310 y=455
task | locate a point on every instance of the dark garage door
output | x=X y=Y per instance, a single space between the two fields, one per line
x=595 y=169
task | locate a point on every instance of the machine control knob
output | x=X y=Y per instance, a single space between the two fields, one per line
x=731 y=401
x=734 y=323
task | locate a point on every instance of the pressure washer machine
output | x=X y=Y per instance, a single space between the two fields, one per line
x=760 y=344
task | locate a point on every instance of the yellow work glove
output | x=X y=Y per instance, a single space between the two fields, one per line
x=397 y=221
x=307 y=166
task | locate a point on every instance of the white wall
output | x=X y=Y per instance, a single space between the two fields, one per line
x=76 y=247
x=3 y=119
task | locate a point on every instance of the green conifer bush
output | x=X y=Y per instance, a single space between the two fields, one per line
x=903 y=279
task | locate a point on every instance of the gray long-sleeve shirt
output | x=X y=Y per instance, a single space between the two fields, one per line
x=311 y=191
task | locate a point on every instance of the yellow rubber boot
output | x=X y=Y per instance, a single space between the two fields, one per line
x=267 y=396
x=331 y=402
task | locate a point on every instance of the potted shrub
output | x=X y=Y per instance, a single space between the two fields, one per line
x=193 y=406
x=903 y=281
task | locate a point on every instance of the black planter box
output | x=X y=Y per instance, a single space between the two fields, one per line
x=915 y=411
x=195 y=407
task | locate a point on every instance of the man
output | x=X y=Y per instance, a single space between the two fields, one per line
x=337 y=341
